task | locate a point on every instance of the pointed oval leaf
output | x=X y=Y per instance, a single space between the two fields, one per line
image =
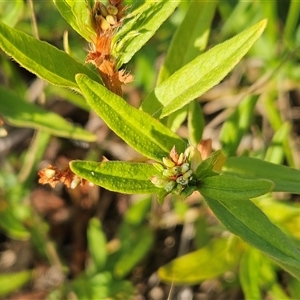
x=232 y=187
x=237 y=124
x=247 y=221
x=138 y=129
x=11 y=11
x=117 y=176
x=196 y=122
x=285 y=179
x=97 y=244
x=78 y=15
x=198 y=266
x=249 y=273
x=190 y=38
x=24 y=114
x=12 y=226
x=10 y=282
x=275 y=152
x=201 y=74
x=138 y=30
x=139 y=247
x=41 y=58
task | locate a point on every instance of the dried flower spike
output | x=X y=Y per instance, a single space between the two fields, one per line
x=53 y=175
x=105 y=20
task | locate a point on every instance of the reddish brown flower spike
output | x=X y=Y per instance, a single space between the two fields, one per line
x=53 y=175
x=105 y=20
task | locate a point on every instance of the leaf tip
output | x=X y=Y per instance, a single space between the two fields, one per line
x=263 y=23
x=79 y=77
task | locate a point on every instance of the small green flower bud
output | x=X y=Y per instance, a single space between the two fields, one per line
x=182 y=181
x=179 y=189
x=103 y=10
x=75 y=182
x=112 y=20
x=185 y=167
x=194 y=157
x=181 y=159
x=169 y=186
x=158 y=167
x=177 y=170
x=169 y=172
x=168 y=162
x=188 y=174
x=159 y=181
x=104 y=25
x=112 y=10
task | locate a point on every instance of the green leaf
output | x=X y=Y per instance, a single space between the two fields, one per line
x=137 y=212
x=24 y=114
x=78 y=15
x=101 y=286
x=245 y=219
x=184 y=48
x=293 y=287
x=139 y=244
x=11 y=11
x=275 y=152
x=140 y=28
x=189 y=39
x=198 y=265
x=233 y=187
x=41 y=58
x=210 y=166
x=249 y=273
x=10 y=282
x=10 y=224
x=201 y=74
x=32 y=159
x=97 y=244
x=285 y=179
x=136 y=239
x=195 y=122
x=122 y=177
x=67 y=95
x=237 y=125
x=138 y=129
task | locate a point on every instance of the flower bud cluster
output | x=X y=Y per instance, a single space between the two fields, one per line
x=107 y=16
x=175 y=173
x=105 y=19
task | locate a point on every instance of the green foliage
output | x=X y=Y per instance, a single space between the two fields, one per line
x=186 y=47
x=234 y=190
x=201 y=74
x=23 y=114
x=132 y=177
x=236 y=125
x=78 y=15
x=106 y=270
x=13 y=281
x=198 y=265
x=142 y=132
x=285 y=179
x=141 y=26
x=41 y=58
x=11 y=11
